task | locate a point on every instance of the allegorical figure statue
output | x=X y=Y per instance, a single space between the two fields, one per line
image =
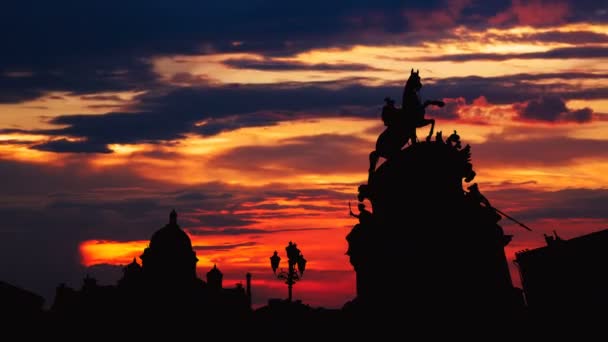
x=365 y=216
x=357 y=236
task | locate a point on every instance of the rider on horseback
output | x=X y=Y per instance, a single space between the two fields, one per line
x=389 y=112
x=414 y=108
x=401 y=123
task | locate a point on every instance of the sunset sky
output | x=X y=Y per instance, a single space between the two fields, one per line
x=254 y=120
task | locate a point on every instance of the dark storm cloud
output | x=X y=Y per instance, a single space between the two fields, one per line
x=558 y=53
x=87 y=47
x=170 y=116
x=67 y=29
x=64 y=145
x=161 y=117
x=551 y=109
x=514 y=88
x=449 y=111
x=277 y=65
x=123 y=127
x=87 y=75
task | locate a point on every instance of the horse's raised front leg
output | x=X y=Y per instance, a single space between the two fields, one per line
x=432 y=121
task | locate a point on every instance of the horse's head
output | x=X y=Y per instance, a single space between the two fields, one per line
x=413 y=82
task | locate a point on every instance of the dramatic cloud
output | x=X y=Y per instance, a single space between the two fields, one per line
x=85 y=48
x=320 y=154
x=553 y=36
x=571 y=204
x=509 y=89
x=225 y=220
x=293 y=66
x=64 y=145
x=528 y=12
x=450 y=111
x=554 y=151
x=564 y=204
x=248 y=231
x=209 y=110
x=559 y=53
x=78 y=75
x=194 y=27
x=554 y=109
x=224 y=247
x=170 y=116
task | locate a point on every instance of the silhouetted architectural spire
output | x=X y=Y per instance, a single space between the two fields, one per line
x=248 y=277
x=173 y=218
x=214 y=278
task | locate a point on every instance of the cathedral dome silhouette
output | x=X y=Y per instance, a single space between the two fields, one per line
x=170 y=258
x=171 y=238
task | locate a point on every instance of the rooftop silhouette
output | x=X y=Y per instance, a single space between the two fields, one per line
x=566 y=276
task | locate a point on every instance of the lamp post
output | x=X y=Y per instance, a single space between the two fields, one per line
x=297 y=265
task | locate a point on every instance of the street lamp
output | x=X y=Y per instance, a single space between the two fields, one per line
x=295 y=259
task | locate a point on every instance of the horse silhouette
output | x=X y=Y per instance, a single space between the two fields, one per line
x=401 y=124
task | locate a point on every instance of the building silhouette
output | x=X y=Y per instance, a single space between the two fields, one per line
x=169 y=260
x=566 y=278
x=164 y=284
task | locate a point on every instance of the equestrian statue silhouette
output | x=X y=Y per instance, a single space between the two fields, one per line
x=401 y=123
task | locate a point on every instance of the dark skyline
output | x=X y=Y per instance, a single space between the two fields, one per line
x=254 y=120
